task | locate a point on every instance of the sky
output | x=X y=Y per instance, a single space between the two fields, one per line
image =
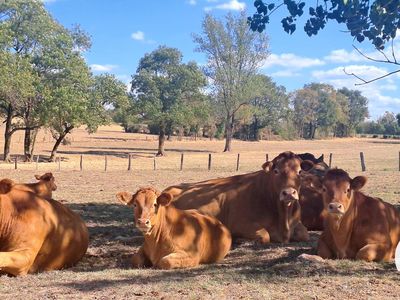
x=122 y=31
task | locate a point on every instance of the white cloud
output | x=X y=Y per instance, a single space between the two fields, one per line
x=290 y=60
x=192 y=2
x=366 y=72
x=102 y=68
x=285 y=73
x=230 y=5
x=138 y=35
x=344 y=56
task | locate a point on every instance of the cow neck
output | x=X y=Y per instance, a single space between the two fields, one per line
x=342 y=229
x=6 y=221
x=284 y=211
x=159 y=233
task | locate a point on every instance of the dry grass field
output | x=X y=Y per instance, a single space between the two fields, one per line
x=249 y=271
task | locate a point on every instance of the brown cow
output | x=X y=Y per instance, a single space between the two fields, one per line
x=43 y=188
x=262 y=205
x=311 y=202
x=37 y=234
x=174 y=238
x=357 y=226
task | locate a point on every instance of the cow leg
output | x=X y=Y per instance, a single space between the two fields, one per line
x=16 y=262
x=178 y=260
x=140 y=260
x=300 y=233
x=374 y=252
x=323 y=250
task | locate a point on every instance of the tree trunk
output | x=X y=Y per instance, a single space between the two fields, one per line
x=8 y=134
x=58 y=142
x=28 y=144
x=228 y=133
x=33 y=141
x=161 y=141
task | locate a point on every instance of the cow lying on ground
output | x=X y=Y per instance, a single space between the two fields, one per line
x=262 y=205
x=311 y=202
x=174 y=238
x=37 y=234
x=43 y=188
x=357 y=226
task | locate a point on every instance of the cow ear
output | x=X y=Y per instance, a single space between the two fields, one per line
x=45 y=177
x=124 y=198
x=267 y=166
x=38 y=177
x=6 y=185
x=358 y=182
x=306 y=165
x=321 y=158
x=165 y=199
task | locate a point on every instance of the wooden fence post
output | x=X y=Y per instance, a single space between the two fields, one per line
x=37 y=162
x=15 y=162
x=81 y=163
x=59 y=163
x=399 y=160
x=209 y=161
x=154 y=164
x=181 y=162
x=330 y=160
x=237 y=162
x=362 y=161
x=105 y=163
x=129 y=161
x=266 y=157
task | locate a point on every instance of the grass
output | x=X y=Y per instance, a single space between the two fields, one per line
x=249 y=271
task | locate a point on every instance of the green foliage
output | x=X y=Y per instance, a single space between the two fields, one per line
x=375 y=20
x=168 y=92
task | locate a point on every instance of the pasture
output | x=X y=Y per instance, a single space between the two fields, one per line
x=249 y=271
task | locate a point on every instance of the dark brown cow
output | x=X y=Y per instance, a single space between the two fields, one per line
x=311 y=202
x=311 y=157
x=174 y=238
x=357 y=226
x=262 y=205
x=37 y=234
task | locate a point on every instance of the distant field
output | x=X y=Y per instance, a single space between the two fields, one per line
x=249 y=271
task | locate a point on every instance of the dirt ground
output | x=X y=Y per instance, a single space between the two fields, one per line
x=249 y=271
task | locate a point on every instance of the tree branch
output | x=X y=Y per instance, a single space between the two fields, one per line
x=372 y=80
x=388 y=61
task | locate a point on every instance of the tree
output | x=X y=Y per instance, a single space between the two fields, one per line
x=234 y=56
x=376 y=21
x=389 y=122
x=357 y=108
x=164 y=87
x=398 y=119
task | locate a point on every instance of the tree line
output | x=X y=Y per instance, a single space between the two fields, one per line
x=46 y=82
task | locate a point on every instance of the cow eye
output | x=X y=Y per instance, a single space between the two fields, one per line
x=348 y=191
x=301 y=171
x=155 y=205
x=134 y=205
x=276 y=171
x=324 y=189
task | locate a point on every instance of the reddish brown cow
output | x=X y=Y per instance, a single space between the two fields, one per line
x=43 y=188
x=174 y=238
x=357 y=226
x=262 y=205
x=37 y=234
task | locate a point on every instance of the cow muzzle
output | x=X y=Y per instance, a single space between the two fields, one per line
x=144 y=225
x=288 y=196
x=336 y=208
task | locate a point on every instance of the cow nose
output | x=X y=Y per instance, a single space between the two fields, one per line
x=289 y=192
x=144 y=222
x=333 y=206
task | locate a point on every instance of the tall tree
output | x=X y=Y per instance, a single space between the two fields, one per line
x=357 y=108
x=378 y=21
x=234 y=56
x=163 y=87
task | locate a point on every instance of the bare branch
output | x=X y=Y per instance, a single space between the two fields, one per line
x=372 y=80
x=393 y=54
x=376 y=60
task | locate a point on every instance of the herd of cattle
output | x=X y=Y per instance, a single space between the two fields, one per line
x=194 y=223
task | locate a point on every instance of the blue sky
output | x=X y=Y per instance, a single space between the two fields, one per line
x=123 y=31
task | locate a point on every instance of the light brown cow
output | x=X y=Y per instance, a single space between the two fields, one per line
x=37 y=234
x=262 y=205
x=43 y=188
x=174 y=238
x=357 y=226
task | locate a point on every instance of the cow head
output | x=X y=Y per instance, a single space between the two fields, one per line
x=48 y=179
x=338 y=190
x=284 y=172
x=145 y=207
x=6 y=185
